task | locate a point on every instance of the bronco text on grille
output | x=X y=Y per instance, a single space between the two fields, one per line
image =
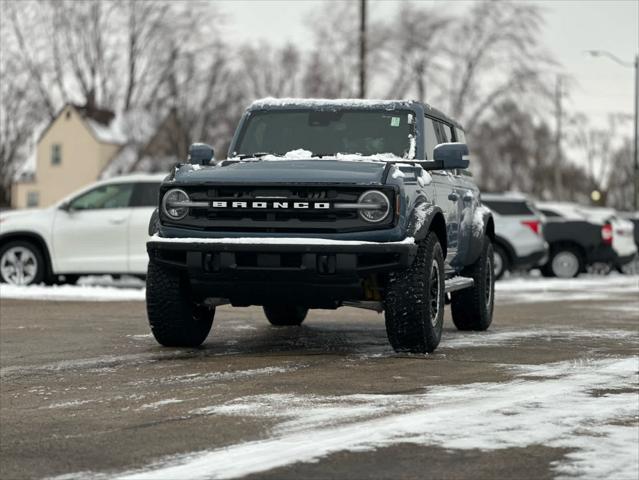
x=284 y=210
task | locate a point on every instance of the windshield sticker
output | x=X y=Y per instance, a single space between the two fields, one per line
x=410 y=118
x=394 y=121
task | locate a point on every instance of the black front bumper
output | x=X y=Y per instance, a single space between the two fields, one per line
x=315 y=275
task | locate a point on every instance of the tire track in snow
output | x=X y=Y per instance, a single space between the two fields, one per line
x=551 y=405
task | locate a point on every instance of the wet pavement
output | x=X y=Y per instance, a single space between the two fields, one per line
x=550 y=391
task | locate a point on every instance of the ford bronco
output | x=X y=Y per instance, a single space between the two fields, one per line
x=323 y=204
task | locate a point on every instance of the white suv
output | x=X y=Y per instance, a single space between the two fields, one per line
x=101 y=229
x=519 y=238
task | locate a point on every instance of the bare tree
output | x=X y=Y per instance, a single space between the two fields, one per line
x=494 y=53
x=620 y=187
x=413 y=47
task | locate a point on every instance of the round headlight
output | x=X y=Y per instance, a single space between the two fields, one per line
x=380 y=206
x=170 y=204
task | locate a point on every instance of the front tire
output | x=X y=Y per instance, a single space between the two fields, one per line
x=21 y=263
x=175 y=319
x=285 y=315
x=414 y=301
x=472 y=308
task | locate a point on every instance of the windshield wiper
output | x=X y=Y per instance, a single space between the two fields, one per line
x=242 y=156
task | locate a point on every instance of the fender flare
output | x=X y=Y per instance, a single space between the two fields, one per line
x=476 y=224
x=424 y=218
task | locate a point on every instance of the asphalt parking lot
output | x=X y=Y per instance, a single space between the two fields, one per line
x=550 y=391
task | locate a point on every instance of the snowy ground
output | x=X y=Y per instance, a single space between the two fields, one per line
x=550 y=391
x=513 y=290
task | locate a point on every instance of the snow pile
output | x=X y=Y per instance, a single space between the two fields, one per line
x=557 y=405
x=474 y=220
x=160 y=403
x=82 y=293
x=588 y=284
x=424 y=178
x=112 y=133
x=302 y=154
x=422 y=212
x=397 y=172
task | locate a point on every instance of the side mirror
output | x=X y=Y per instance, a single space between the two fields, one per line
x=451 y=155
x=201 y=154
x=66 y=207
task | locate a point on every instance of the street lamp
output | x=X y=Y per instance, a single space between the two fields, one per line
x=635 y=65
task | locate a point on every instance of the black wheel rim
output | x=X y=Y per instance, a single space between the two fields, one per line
x=435 y=287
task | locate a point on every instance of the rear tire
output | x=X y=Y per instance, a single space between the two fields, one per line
x=472 y=308
x=564 y=262
x=414 y=301
x=175 y=319
x=21 y=263
x=285 y=315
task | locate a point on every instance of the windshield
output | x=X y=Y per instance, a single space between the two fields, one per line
x=327 y=133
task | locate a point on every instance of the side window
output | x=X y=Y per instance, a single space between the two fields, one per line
x=461 y=136
x=550 y=213
x=56 y=154
x=114 y=195
x=145 y=195
x=430 y=138
x=448 y=133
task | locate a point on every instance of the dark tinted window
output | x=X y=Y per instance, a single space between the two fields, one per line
x=509 y=208
x=145 y=195
x=112 y=195
x=327 y=132
x=430 y=138
x=550 y=213
x=448 y=133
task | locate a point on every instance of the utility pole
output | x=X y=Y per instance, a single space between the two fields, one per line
x=558 y=153
x=362 y=49
x=635 y=159
x=636 y=148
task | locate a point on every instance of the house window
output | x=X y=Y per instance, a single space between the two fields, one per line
x=56 y=154
x=33 y=199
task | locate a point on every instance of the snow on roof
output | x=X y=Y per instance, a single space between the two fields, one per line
x=135 y=177
x=565 y=209
x=112 y=133
x=324 y=102
x=504 y=196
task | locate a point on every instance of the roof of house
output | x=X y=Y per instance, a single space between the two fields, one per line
x=103 y=124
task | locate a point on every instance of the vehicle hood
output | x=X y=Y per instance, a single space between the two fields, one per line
x=285 y=171
x=31 y=219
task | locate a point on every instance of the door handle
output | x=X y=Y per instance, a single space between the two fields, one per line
x=453 y=197
x=117 y=220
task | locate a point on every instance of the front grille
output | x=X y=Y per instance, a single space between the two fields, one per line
x=284 y=220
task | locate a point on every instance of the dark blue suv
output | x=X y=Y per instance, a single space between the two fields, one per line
x=322 y=204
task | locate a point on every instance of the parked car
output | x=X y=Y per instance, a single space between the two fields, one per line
x=519 y=239
x=101 y=229
x=580 y=237
x=632 y=267
x=325 y=203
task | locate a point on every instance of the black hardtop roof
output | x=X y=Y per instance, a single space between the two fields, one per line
x=349 y=103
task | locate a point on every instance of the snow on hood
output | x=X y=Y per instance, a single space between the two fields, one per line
x=302 y=154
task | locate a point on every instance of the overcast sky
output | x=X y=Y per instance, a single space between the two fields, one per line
x=602 y=87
